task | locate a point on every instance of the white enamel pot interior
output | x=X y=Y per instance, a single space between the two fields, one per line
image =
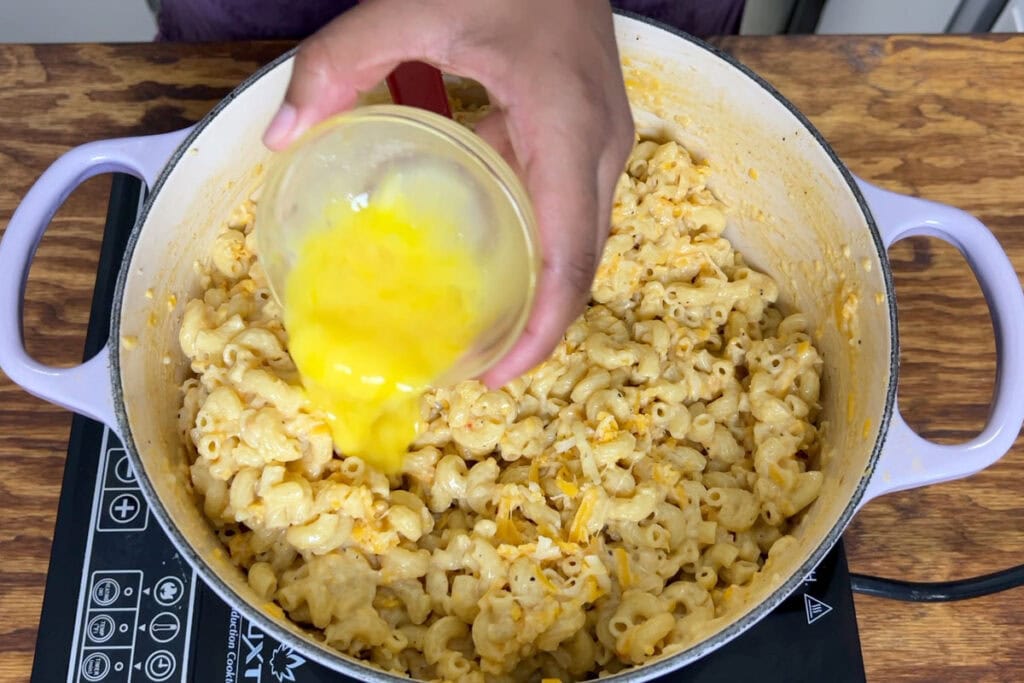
x=796 y=214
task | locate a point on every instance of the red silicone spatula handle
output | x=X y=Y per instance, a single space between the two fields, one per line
x=416 y=84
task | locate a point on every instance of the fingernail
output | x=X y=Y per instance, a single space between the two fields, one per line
x=280 y=126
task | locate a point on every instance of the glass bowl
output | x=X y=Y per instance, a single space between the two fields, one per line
x=344 y=158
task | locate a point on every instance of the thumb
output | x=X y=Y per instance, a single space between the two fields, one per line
x=350 y=55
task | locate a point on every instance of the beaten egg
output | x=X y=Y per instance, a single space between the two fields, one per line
x=380 y=303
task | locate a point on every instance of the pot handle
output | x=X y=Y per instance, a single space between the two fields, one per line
x=908 y=460
x=85 y=388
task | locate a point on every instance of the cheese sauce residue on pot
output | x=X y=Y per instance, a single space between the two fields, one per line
x=380 y=305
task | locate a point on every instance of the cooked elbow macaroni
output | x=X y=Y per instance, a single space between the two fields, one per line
x=611 y=506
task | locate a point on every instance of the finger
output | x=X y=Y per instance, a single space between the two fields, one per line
x=573 y=194
x=557 y=304
x=563 y=185
x=351 y=55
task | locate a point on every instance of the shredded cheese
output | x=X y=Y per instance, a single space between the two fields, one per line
x=578 y=531
x=622 y=564
x=566 y=483
x=507 y=530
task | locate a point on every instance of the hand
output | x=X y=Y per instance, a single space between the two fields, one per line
x=561 y=117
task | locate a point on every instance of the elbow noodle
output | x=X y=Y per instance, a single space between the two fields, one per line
x=364 y=626
x=263 y=580
x=418 y=606
x=226 y=250
x=454 y=666
x=322 y=535
x=449 y=483
x=610 y=401
x=724 y=408
x=809 y=386
x=720 y=555
x=618 y=449
x=691 y=597
x=654 y=536
x=243 y=489
x=640 y=642
x=406 y=522
x=285 y=397
x=465 y=596
x=679 y=424
x=737 y=508
x=648 y=366
x=792 y=324
x=707 y=218
x=605 y=353
x=596 y=379
x=687 y=460
x=260 y=341
x=524 y=439
x=675 y=521
x=618 y=481
x=740 y=573
x=637 y=508
x=707 y=532
x=702 y=429
x=723 y=447
x=210 y=343
x=262 y=431
x=568 y=377
x=805 y=491
x=414 y=503
x=767 y=408
x=796 y=407
x=422 y=463
x=772 y=452
x=480 y=484
x=401 y=565
x=222 y=405
x=194 y=320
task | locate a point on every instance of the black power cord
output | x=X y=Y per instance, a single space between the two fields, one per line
x=939 y=591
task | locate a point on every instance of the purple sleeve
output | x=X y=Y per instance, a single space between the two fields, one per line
x=699 y=17
x=211 y=20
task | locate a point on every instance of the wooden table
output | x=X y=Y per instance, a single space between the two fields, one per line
x=941 y=117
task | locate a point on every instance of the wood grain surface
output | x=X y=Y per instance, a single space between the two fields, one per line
x=940 y=117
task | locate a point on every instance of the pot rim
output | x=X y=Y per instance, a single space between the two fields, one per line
x=337 y=661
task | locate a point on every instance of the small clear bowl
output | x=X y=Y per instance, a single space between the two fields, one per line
x=343 y=159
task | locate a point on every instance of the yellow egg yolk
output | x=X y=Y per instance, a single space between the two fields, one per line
x=379 y=305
